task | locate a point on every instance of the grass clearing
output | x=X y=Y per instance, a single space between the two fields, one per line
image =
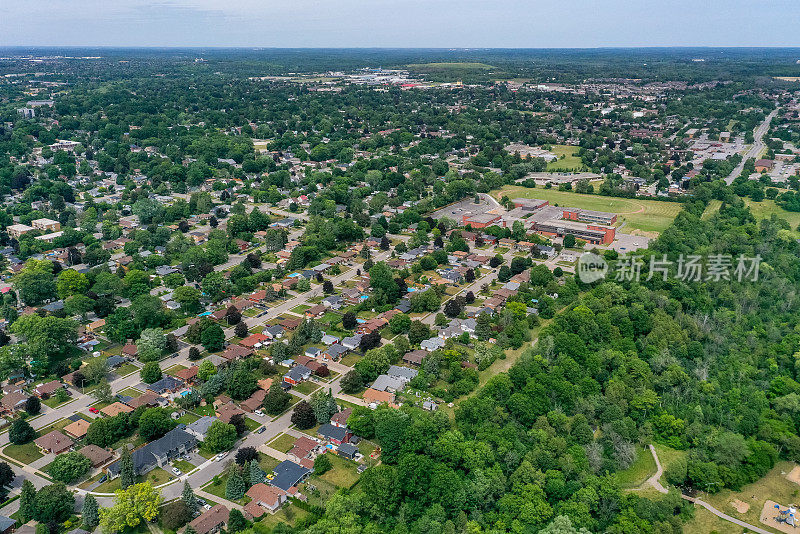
x=639 y=214
x=642 y=468
x=306 y=388
x=343 y=474
x=568 y=159
x=125 y=370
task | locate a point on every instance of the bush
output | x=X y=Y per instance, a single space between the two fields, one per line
x=33 y=406
x=151 y=372
x=322 y=464
x=21 y=432
x=175 y=514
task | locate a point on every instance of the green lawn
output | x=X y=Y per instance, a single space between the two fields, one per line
x=25 y=453
x=283 y=443
x=568 y=159
x=251 y=424
x=251 y=312
x=183 y=466
x=639 y=214
x=350 y=359
x=217 y=487
x=131 y=392
x=52 y=402
x=300 y=309
x=187 y=418
x=343 y=474
x=174 y=369
x=642 y=468
x=125 y=370
x=306 y=388
x=267 y=462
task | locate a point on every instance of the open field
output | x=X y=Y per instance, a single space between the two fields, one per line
x=638 y=214
x=570 y=162
x=761 y=210
x=774 y=487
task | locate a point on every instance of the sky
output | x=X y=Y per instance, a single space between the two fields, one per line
x=400 y=23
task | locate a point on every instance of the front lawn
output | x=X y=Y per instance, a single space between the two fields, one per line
x=306 y=388
x=52 y=402
x=125 y=370
x=25 y=453
x=217 y=487
x=131 y=392
x=174 y=369
x=283 y=443
x=184 y=466
x=251 y=424
x=188 y=418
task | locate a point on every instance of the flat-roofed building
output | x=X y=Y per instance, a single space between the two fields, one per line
x=482 y=220
x=47 y=225
x=592 y=233
x=16 y=230
x=530 y=204
x=589 y=216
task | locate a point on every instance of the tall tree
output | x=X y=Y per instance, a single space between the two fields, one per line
x=90 y=513
x=189 y=498
x=235 y=487
x=127 y=476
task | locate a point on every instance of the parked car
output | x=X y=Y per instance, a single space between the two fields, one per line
x=259 y=412
x=177 y=472
x=207 y=506
x=94 y=410
x=261 y=429
x=221 y=455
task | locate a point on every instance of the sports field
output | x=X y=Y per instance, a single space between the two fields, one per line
x=571 y=161
x=646 y=216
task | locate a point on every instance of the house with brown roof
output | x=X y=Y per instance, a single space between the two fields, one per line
x=130 y=350
x=97 y=455
x=226 y=412
x=94 y=326
x=315 y=311
x=290 y=323
x=187 y=375
x=254 y=402
x=254 y=339
x=54 y=442
x=46 y=390
x=265 y=384
x=340 y=419
x=378 y=397
x=414 y=357
x=77 y=428
x=304 y=448
x=268 y=497
x=236 y=352
x=148 y=398
x=211 y=521
x=14 y=401
x=112 y=410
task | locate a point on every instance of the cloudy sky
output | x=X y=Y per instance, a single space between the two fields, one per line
x=400 y=23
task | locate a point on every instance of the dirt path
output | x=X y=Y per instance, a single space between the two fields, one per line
x=656 y=483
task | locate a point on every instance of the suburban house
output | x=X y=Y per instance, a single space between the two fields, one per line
x=269 y=498
x=274 y=332
x=340 y=419
x=432 y=344
x=46 y=390
x=347 y=450
x=236 y=352
x=167 y=384
x=114 y=409
x=54 y=442
x=14 y=401
x=199 y=428
x=159 y=453
x=414 y=357
x=97 y=455
x=304 y=449
x=77 y=428
x=288 y=474
x=211 y=521
x=372 y=396
x=334 y=434
x=297 y=374
x=255 y=401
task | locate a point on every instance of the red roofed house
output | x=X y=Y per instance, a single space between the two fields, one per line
x=269 y=497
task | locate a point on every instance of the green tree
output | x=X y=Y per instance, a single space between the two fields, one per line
x=27 y=500
x=71 y=282
x=69 y=467
x=257 y=475
x=235 y=486
x=90 y=513
x=189 y=498
x=276 y=400
x=132 y=506
x=322 y=464
x=33 y=405
x=53 y=503
x=418 y=332
x=127 y=475
x=151 y=372
x=400 y=323
x=154 y=423
x=206 y=370
x=175 y=515
x=21 y=432
x=213 y=338
x=220 y=437
x=236 y=521
x=102 y=392
x=241 y=384
x=303 y=416
x=151 y=345
x=189 y=299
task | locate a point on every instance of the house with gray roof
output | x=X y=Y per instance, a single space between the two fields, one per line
x=405 y=373
x=158 y=453
x=389 y=383
x=288 y=474
x=432 y=344
x=200 y=427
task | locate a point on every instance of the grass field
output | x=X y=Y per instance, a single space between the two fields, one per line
x=343 y=474
x=444 y=67
x=570 y=162
x=774 y=487
x=642 y=468
x=643 y=215
x=761 y=210
x=25 y=453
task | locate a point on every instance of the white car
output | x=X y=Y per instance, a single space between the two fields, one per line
x=207 y=506
x=221 y=455
x=177 y=472
x=258 y=412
